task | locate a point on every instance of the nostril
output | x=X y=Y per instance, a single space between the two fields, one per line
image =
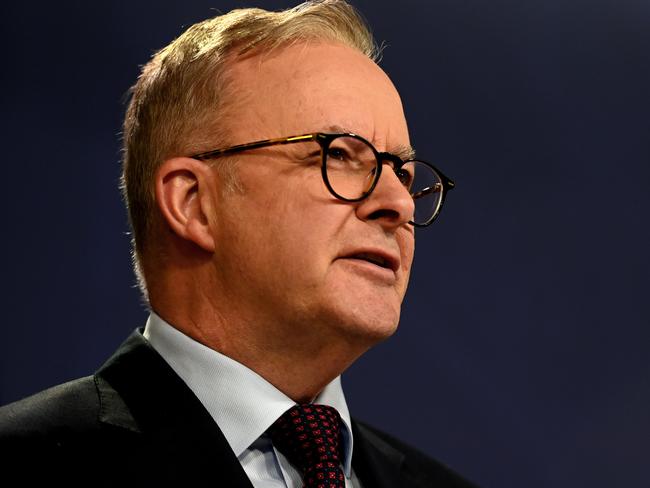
x=384 y=213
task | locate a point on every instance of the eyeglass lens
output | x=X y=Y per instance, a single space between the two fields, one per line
x=426 y=190
x=351 y=168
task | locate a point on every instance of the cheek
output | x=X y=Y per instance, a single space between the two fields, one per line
x=291 y=235
x=406 y=241
x=292 y=226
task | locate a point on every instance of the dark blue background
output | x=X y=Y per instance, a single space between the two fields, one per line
x=522 y=357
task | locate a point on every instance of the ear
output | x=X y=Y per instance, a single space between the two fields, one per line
x=185 y=200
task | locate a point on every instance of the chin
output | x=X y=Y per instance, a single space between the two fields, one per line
x=366 y=325
x=357 y=313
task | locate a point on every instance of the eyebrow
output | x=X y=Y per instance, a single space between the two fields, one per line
x=404 y=152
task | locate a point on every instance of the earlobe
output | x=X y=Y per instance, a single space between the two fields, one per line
x=183 y=198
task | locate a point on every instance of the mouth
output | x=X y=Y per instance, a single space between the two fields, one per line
x=377 y=258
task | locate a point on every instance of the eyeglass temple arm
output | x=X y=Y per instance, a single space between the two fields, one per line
x=255 y=145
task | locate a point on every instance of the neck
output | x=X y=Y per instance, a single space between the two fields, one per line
x=299 y=361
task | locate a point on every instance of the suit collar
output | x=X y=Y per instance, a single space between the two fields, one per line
x=139 y=392
x=113 y=410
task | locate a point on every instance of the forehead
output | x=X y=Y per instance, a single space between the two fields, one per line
x=310 y=87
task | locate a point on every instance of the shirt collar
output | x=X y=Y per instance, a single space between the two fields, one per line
x=243 y=404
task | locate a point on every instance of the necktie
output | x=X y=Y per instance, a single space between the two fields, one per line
x=308 y=435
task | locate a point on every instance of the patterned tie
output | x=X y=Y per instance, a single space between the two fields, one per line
x=308 y=435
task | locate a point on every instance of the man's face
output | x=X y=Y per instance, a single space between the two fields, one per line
x=290 y=256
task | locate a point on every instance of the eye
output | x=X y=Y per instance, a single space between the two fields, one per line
x=338 y=153
x=405 y=177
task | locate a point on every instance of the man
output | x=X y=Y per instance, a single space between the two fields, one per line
x=270 y=264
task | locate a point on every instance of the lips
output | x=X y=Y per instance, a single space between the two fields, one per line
x=373 y=258
x=378 y=258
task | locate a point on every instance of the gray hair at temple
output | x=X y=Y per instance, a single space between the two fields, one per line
x=179 y=104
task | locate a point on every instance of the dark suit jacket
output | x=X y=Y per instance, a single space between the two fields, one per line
x=136 y=423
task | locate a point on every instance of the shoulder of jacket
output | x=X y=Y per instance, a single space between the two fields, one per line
x=69 y=406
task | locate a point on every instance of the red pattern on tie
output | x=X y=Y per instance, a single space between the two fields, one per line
x=308 y=435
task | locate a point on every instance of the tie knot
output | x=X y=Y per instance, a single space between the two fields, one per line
x=308 y=435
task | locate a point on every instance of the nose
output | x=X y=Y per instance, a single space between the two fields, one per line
x=390 y=203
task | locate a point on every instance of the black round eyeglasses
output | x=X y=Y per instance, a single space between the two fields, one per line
x=351 y=167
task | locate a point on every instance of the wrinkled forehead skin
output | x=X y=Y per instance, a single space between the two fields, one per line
x=312 y=86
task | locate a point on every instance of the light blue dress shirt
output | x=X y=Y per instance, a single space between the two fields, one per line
x=244 y=405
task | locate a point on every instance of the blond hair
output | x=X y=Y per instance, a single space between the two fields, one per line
x=177 y=101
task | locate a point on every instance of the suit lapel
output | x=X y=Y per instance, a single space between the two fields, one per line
x=377 y=463
x=140 y=392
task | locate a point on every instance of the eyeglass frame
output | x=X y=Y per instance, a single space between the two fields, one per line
x=324 y=139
